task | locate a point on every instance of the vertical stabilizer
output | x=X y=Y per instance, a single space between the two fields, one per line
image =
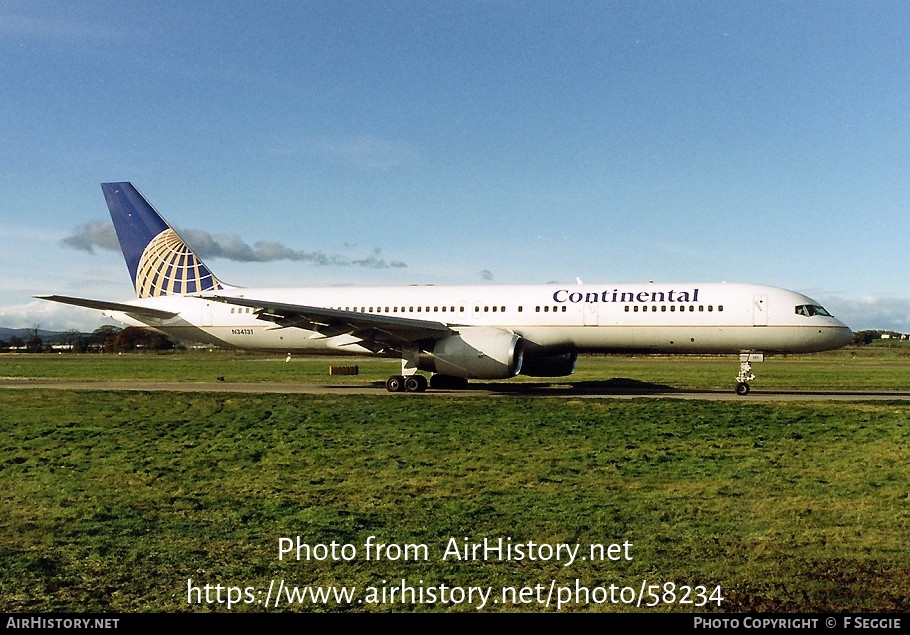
x=159 y=262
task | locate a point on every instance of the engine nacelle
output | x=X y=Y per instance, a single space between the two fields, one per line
x=550 y=366
x=476 y=352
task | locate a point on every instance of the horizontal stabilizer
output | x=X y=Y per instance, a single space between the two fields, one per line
x=110 y=306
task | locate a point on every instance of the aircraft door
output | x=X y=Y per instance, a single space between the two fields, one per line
x=206 y=314
x=590 y=313
x=760 y=310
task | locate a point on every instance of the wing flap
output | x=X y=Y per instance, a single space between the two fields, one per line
x=384 y=330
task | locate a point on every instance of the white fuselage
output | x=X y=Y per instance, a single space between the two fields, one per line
x=552 y=318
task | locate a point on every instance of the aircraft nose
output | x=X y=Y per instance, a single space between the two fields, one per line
x=843 y=335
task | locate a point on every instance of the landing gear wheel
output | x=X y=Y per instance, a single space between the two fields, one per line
x=745 y=372
x=395 y=383
x=415 y=383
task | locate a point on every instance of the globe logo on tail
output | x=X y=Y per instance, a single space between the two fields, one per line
x=169 y=267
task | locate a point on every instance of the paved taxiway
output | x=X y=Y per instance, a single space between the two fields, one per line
x=584 y=390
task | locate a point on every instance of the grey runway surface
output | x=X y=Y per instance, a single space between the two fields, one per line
x=590 y=390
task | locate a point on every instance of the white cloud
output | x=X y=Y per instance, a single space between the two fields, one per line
x=51 y=316
x=872 y=312
x=96 y=233
x=101 y=234
x=362 y=151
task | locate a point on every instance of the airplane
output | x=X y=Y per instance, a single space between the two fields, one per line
x=456 y=333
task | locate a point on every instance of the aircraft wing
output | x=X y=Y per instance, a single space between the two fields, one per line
x=376 y=332
x=129 y=309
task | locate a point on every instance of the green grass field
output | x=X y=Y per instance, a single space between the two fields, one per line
x=121 y=501
x=864 y=368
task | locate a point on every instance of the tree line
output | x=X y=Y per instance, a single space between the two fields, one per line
x=104 y=339
x=861 y=338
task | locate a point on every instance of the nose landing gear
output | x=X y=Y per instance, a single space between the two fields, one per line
x=745 y=372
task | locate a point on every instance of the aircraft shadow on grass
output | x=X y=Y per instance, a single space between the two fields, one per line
x=615 y=386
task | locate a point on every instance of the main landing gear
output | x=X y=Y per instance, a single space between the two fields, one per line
x=418 y=383
x=408 y=380
x=411 y=383
x=745 y=372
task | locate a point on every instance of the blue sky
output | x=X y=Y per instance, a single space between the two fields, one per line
x=338 y=143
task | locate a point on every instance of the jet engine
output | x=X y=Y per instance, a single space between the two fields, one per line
x=475 y=352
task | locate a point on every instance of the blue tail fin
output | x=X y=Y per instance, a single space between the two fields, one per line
x=158 y=259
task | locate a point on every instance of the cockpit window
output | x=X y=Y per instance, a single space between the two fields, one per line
x=808 y=310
